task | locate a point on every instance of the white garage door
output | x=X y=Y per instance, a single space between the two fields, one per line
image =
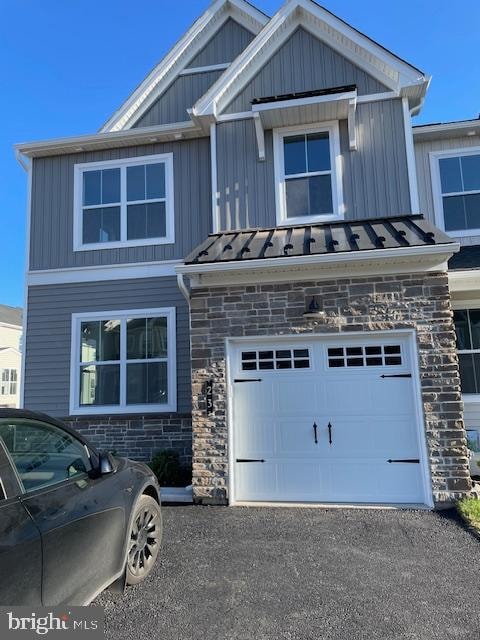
x=329 y=420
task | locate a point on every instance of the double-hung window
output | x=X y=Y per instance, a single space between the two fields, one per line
x=123 y=362
x=467 y=327
x=456 y=182
x=124 y=202
x=307 y=169
x=8 y=382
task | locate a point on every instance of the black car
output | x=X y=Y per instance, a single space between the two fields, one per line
x=72 y=520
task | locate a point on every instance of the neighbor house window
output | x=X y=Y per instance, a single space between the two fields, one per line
x=8 y=382
x=458 y=198
x=308 y=181
x=123 y=362
x=124 y=202
x=467 y=327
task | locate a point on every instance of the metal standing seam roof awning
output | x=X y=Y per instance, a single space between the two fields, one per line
x=352 y=236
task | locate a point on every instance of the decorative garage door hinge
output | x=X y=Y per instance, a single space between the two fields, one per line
x=247 y=460
x=407 y=460
x=247 y=380
x=396 y=375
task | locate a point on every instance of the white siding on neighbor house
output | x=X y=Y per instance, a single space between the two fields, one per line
x=424 y=177
x=10 y=336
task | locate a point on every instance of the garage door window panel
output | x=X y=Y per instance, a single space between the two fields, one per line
x=278 y=359
x=365 y=356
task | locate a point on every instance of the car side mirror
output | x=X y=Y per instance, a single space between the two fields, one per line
x=106 y=463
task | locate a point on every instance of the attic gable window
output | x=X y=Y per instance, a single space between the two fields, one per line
x=457 y=178
x=308 y=182
x=124 y=203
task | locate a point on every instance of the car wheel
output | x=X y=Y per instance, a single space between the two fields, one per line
x=144 y=540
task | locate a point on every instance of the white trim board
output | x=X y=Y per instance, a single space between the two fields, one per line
x=123 y=408
x=411 y=165
x=189 y=45
x=383 y=65
x=372 y=261
x=25 y=286
x=102 y=273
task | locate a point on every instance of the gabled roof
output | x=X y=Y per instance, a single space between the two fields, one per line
x=10 y=315
x=178 y=57
x=380 y=63
x=318 y=239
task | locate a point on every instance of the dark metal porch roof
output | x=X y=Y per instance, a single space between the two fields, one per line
x=327 y=238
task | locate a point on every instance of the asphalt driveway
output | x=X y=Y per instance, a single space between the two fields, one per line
x=272 y=573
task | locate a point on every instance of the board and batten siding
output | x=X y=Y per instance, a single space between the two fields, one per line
x=227 y=43
x=181 y=95
x=424 y=176
x=48 y=339
x=52 y=207
x=303 y=63
x=375 y=176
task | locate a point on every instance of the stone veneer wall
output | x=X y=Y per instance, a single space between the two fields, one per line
x=420 y=301
x=138 y=436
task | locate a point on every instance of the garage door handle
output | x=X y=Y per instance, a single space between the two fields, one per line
x=315 y=432
x=407 y=461
x=247 y=380
x=329 y=427
x=396 y=375
x=248 y=460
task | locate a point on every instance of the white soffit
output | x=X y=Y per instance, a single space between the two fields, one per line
x=380 y=63
x=191 y=43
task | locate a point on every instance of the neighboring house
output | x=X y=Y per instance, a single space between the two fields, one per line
x=10 y=355
x=250 y=258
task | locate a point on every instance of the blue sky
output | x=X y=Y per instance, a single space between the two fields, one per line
x=66 y=65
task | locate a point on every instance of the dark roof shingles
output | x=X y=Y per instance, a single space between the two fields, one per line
x=11 y=315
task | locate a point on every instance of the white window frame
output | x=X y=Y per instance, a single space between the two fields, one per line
x=123 y=407
x=467 y=305
x=435 y=157
x=80 y=169
x=9 y=382
x=330 y=127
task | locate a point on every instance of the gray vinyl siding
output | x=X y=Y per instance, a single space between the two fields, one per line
x=246 y=187
x=424 y=178
x=52 y=207
x=48 y=338
x=229 y=42
x=303 y=63
x=375 y=180
x=181 y=95
x=375 y=177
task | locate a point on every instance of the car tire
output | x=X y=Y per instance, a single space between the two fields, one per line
x=144 y=539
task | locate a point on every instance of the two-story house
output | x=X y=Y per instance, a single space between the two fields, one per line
x=10 y=355
x=248 y=263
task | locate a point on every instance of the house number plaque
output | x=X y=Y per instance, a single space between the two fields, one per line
x=208 y=391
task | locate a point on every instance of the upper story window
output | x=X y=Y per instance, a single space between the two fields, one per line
x=467 y=328
x=457 y=179
x=124 y=203
x=308 y=177
x=123 y=362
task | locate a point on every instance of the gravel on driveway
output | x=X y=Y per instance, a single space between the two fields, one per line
x=247 y=573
